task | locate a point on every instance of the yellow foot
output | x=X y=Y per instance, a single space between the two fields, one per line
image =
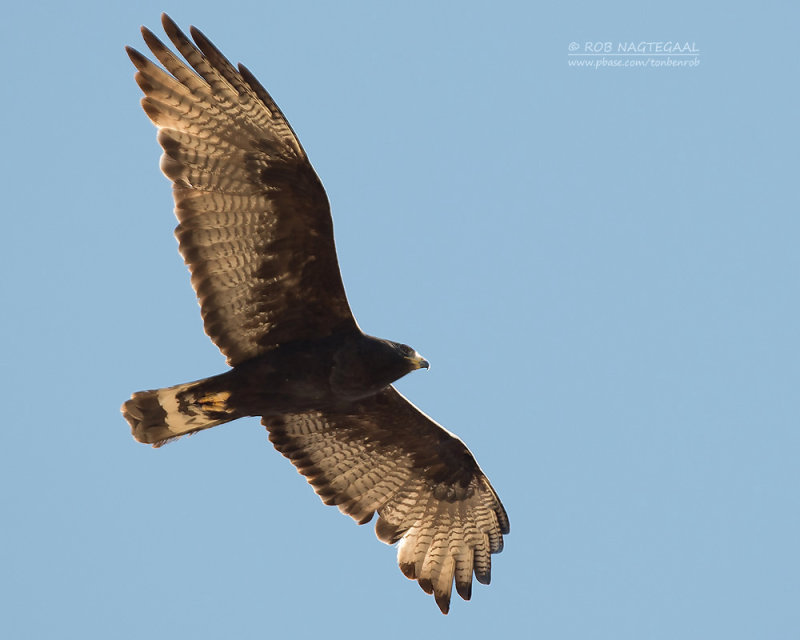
x=215 y=402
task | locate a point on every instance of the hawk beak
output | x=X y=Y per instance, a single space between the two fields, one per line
x=419 y=362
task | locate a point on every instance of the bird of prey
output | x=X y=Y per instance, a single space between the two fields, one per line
x=255 y=230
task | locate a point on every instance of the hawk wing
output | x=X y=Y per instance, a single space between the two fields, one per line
x=383 y=454
x=255 y=225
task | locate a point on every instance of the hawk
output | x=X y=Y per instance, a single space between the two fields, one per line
x=255 y=230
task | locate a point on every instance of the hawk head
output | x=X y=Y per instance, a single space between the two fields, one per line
x=364 y=366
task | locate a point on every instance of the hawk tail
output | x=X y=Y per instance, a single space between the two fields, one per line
x=162 y=415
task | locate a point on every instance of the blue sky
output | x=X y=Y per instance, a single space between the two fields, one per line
x=600 y=264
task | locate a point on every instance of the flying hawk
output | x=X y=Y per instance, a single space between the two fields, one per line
x=256 y=232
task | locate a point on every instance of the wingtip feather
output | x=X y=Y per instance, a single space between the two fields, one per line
x=443 y=601
x=137 y=58
x=464 y=589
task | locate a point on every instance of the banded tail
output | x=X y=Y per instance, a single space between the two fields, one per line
x=161 y=415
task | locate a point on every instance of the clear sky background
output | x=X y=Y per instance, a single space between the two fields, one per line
x=602 y=266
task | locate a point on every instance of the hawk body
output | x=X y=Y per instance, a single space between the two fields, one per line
x=256 y=233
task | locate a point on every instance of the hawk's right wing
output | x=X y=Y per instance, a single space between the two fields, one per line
x=255 y=226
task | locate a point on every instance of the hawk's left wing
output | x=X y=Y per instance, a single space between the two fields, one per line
x=383 y=454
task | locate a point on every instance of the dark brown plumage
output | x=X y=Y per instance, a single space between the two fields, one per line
x=256 y=232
